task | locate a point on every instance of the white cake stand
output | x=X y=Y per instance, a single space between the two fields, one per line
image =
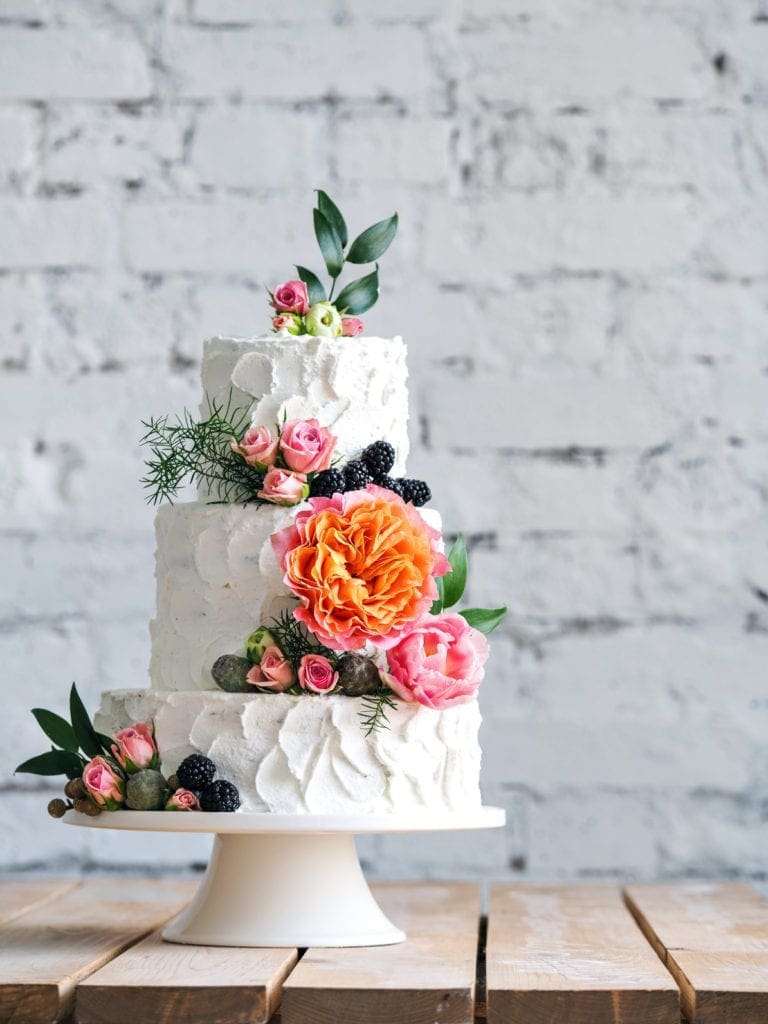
x=285 y=879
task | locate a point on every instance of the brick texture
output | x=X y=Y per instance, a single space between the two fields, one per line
x=582 y=278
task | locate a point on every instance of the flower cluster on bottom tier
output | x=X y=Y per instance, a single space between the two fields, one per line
x=299 y=754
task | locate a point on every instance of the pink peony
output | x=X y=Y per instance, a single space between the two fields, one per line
x=282 y=487
x=135 y=748
x=306 y=446
x=439 y=662
x=291 y=297
x=277 y=670
x=362 y=565
x=183 y=800
x=258 y=447
x=316 y=673
x=104 y=785
x=351 y=326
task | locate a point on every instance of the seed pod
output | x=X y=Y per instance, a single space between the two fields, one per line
x=358 y=675
x=57 y=808
x=75 y=789
x=84 y=805
x=229 y=672
x=173 y=783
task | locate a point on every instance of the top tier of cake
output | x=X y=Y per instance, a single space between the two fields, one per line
x=354 y=386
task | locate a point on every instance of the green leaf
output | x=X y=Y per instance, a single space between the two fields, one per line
x=57 y=729
x=373 y=242
x=81 y=723
x=455 y=581
x=439 y=603
x=313 y=283
x=54 y=762
x=358 y=296
x=329 y=242
x=484 y=619
x=332 y=213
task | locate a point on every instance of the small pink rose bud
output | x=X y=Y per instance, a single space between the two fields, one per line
x=183 y=800
x=317 y=674
x=306 y=446
x=351 y=326
x=135 y=748
x=104 y=785
x=290 y=322
x=282 y=487
x=258 y=447
x=291 y=297
x=277 y=670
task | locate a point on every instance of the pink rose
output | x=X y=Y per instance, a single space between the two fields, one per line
x=291 y=297
x=290 y=322
x=135 y=748
x=277 y=670
x=316 y=673
x=306 y=446
x=351 y=326
x=258 y=447
x=439 y=662
x=103 y=784
x=183 y=800
x=282 y=487
x=255 y=676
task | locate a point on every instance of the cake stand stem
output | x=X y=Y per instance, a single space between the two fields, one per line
x=288 y=889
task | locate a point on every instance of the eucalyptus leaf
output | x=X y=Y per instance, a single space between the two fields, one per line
x=332 y=213
x=455 y=581
x=54 y=762
x=314 y=285
x=57 y=729
x=358 y=296
x=329 y=242
x=87 y=739
x=373 y=242
x=484 y=619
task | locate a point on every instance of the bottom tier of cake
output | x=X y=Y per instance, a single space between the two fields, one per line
x=305 y=754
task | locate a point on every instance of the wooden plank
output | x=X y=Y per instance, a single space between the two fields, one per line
x=155 y=982
x=429 y=977
x=17 y=896
x=713 y=938
x=44 y=953
x=571 y=953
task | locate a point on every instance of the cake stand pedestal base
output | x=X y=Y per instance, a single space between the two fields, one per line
x=286 y=879
x=283 y=890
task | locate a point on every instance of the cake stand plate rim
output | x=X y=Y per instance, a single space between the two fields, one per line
x=282 y=824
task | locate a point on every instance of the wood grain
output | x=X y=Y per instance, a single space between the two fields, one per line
x=17 y=896
x=156 y=982
x=571 y=953
x=44 y=953
x=713 y=938
x=429 y=977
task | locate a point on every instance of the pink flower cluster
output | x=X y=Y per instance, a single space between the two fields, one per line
x=295 y=315
x=274 y=672
x=301 y=448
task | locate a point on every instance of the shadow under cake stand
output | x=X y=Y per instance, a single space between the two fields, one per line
x=285 y=879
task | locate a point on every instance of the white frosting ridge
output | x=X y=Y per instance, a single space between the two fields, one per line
x=354 y=386
x=302 y=754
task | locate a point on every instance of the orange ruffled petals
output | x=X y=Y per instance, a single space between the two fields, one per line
x=362 y=565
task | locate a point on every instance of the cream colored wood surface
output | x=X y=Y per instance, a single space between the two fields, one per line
x=429 y=977
x=571 y=953
x=19 y=896
x=45 y=952
x=156 y=982
x=714 y=940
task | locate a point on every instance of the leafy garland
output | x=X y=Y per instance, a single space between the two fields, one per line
x=186 y=450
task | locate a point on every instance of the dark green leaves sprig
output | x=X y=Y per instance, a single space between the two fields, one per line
x=332 y=237
x=188 y=451
x=373 y=712
x=76 y=741
x=450 y=590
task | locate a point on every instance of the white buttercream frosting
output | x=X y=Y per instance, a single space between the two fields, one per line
x=301 y=754
x=354 y=386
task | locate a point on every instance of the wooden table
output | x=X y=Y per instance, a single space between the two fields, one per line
x=90 y=953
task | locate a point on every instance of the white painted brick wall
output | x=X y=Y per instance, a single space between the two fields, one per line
x=582 y=277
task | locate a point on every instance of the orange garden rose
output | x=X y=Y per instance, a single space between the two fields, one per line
x=362 y=565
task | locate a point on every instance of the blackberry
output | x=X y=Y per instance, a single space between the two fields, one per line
x=326 y=483
x=416 y=491
x=220 y=796
x=196 y=772
x=356 y=476
x=379 y=457
x=392 y=484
